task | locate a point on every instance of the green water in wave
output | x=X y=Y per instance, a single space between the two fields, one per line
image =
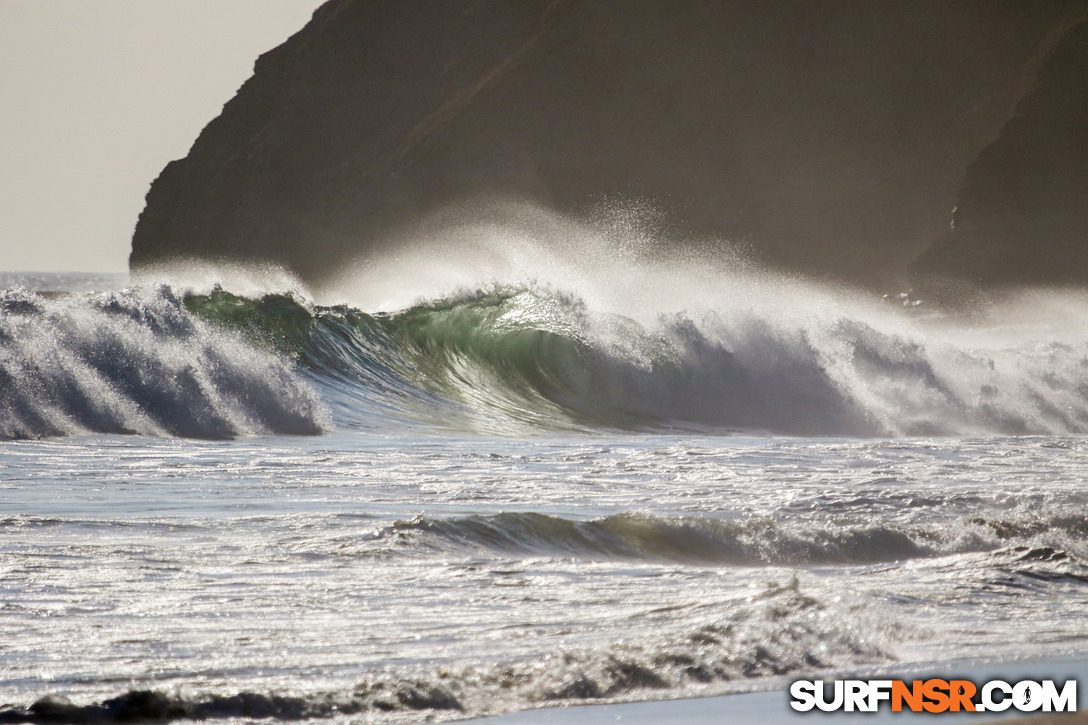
x=516 y=354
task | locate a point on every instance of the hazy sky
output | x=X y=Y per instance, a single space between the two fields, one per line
x=96 y=96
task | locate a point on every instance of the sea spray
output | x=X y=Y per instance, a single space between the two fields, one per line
x=558 y=466
x=136 y=361
x=513 y=320
x=707 y=337
x=516 y=359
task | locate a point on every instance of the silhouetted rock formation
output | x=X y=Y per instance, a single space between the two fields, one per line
x=830 y=135
x=1023 y=209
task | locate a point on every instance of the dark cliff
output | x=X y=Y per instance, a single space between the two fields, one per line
x=832 y=136
x=1022 y=215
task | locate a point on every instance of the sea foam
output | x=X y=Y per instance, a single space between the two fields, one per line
x=524 y=321
x=137 y=362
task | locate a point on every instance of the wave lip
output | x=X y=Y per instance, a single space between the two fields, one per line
x=523 y=358
x=519 y=360
x=137 y=361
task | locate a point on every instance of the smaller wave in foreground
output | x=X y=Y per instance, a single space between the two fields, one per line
x=749 y=542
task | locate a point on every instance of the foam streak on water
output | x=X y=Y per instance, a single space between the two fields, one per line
x=509 y=573
x=137 y=362
x=231 y=501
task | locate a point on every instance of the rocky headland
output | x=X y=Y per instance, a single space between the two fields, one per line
x=831 y=137
x=1022 y=212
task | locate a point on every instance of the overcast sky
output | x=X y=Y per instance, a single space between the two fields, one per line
x=96 y=96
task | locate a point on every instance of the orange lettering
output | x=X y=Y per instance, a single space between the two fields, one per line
x=935 y=690
x=961 y=692
x=912 y=695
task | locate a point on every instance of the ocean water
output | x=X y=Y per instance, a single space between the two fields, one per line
x=440 y=489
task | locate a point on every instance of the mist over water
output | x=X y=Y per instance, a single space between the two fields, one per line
x=617 y=258
x=526 y=319
x=525 y=460
x=592 y=449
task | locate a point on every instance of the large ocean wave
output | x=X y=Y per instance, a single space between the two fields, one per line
x=139 y=362
x=513 y=359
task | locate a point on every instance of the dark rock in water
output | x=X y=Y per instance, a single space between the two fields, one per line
x=831 y=136
x=1022 y=215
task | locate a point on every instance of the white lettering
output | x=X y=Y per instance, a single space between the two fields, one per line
x=993 y=696
x=856 y=696
x=879 y=690
x=804 y=697
x=996 y=705
x=1065 y=701
x=821 y=701
x=1027 y=696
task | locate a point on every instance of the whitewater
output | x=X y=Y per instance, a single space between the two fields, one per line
x=517 y=460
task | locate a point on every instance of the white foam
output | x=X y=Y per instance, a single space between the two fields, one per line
x=748 y=347
x=137 y=362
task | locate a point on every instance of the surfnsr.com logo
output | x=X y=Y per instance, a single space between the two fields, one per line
x=934 y=695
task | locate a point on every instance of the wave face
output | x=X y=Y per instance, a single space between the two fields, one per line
x=510 y=360
x=514 y=359
x=139 y=362
x=767 y=356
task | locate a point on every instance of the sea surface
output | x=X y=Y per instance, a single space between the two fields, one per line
x=234 y=497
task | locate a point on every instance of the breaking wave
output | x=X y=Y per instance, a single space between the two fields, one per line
x=745 y=542
x=139 y=362
x=514 y=359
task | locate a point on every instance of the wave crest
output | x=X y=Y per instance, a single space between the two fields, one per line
x=519 y=359
x=139 y=362
x=509 y=359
